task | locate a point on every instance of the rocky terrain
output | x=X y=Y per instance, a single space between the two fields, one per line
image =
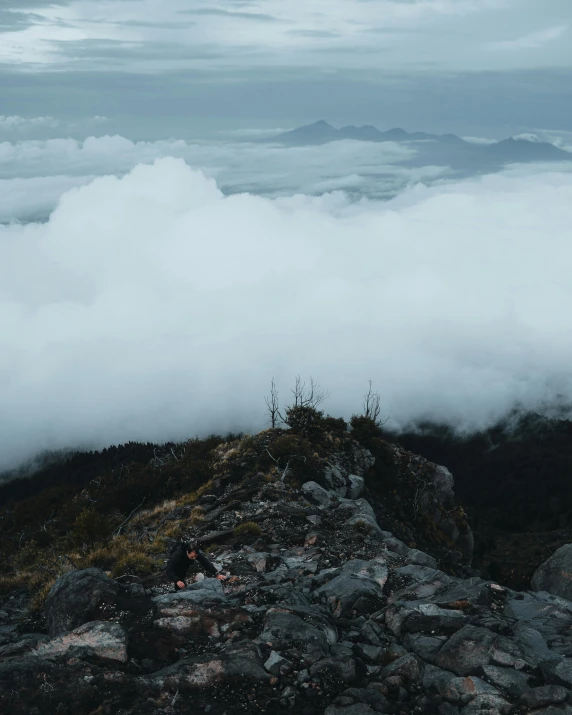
x=352 y=594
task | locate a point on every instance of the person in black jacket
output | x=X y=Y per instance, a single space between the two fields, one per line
x=185 y=557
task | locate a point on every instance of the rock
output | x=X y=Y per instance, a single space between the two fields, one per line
x=201 y=608
x=368 y=653
x=409 y=667
x=275 y=663
x=369 y=696
x=284 y=628
x=335 y=670
x=421 y=558
x=426 y=647
x=436 y=679
x=510 y=681
x=356 y=486
x=357 y=709
x=422 y=617
x=207 y=592
x=75 y=598
x=350 y=507
x=544 y=695
x=395 y=545
x=558 y=671
x=447 y=709
x=318 y=495
x=136 y=590
x=555 y=574
x=335 y=480
x=27 y=643
x=444 y=483
x=466 y=651
x=366 y=524
x=463 y=690
x=363 y=460
x=258 y=561
x=359 y=584
x=238 y=665
x=372 y=633
x=98 y=638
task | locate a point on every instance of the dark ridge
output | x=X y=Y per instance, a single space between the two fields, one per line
x=515 y=475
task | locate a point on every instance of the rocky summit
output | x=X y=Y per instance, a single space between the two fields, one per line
x=351 y=592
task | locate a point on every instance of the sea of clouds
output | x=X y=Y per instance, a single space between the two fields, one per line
x=154 y=306
x=35 y=173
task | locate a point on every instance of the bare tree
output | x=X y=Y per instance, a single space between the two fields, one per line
x=371 y=405
x=303 y=414
x=273 y=405
x=311 y=396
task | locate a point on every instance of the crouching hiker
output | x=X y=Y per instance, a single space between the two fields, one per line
x=187 y=557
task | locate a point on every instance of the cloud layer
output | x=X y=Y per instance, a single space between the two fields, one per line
x=426 y=34
x=153 y=307
x=33 y=174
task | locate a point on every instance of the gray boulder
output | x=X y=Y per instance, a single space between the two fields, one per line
x=363 y=460
x=76 y=597
x=98 y=638
x=555 y=575
x=335 y=480
x=420 y=558
x=201 y=608
x=409 y=667
x=444 y=485
x=356 y=486
x=340 y=669
x=307 y=629
x=351 y=507
x=238 y=665
x=423 y=617
x=318 y=495
x=544 y=695
x=366 y=524
x=358 y=586
x=468 y=650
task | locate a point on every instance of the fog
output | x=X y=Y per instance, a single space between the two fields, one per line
x=152 y=306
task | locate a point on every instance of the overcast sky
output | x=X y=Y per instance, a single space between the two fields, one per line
x=180 y=66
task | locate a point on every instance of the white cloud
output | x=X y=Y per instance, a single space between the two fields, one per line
x=559 y=137
x=325 y=35
x=479 y=140
x=152 y=307
x=16 y=126
x=27 y=191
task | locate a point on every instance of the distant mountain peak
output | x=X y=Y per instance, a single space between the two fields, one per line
x=515 y=149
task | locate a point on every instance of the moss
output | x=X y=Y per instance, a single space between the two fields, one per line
x=362 y=527
x=247 y=532
x=197 y=515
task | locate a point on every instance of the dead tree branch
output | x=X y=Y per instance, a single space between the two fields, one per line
x=120 y=527
x=273 y=405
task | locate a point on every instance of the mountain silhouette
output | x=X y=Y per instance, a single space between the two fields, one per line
x=510 y=150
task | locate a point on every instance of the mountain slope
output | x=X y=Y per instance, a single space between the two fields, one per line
x=511 y=150
x=330 y=612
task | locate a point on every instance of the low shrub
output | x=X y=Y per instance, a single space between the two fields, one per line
x=247 y=532
x=305 y=420
x=90 y=528
x=136 y=563
x=365 y=430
